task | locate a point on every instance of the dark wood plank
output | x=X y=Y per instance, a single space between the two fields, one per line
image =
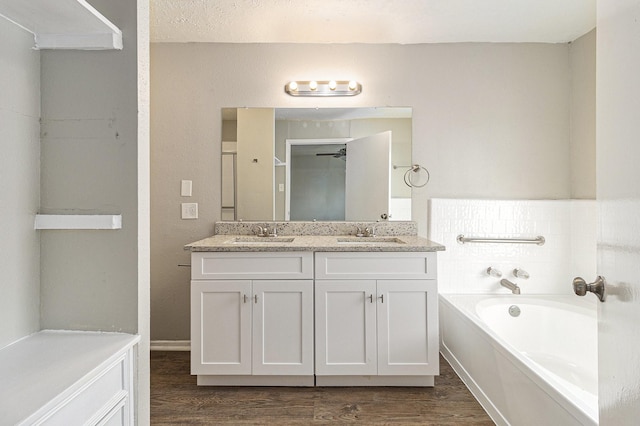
x=176 y=399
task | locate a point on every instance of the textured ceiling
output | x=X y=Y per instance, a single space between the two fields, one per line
x=370 y=21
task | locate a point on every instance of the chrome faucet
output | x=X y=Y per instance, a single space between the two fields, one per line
x=261 y=231
x=359 y=232
x=511 y=286
x=370 y=231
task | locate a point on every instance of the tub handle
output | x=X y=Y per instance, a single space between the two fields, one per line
x=494 y=272
x=581 y=287
x=521 y=273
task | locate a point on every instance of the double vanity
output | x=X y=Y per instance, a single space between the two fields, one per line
x=314 y=305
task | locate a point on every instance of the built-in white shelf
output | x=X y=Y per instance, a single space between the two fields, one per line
x=67 y=377
x=78 y=221
x=63 y=24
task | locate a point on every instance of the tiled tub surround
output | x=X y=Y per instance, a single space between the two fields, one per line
x=507 y=377
x=568 y=226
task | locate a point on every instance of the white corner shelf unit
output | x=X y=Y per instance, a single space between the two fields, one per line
x=68 y=378
x=63 y=24
x=78 y=221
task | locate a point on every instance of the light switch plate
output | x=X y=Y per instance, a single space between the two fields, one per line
x=189 y=210
x=186 y=187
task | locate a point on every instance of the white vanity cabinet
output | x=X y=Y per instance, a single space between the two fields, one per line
x=252 y=318
x=376 y=318
x=340 y=318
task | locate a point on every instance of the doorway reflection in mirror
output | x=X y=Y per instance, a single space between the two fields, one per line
x=269 y=196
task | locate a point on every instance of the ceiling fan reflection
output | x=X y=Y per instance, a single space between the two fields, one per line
x=340 y=154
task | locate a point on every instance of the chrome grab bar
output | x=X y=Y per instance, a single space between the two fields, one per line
x=539 y=240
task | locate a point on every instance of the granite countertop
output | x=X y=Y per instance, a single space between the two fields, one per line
x=234 y=243
x=315 y=236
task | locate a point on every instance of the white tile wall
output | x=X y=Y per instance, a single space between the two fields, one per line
x=569 y=227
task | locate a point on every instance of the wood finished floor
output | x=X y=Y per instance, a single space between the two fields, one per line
x=176 y=399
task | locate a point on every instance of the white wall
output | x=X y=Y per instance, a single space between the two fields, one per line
x=20 y=189
x=489 y=121
x=582 y=55
x=618 y=193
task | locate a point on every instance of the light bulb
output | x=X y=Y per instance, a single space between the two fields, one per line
x=293 y=86
x=333 y=85
x=353 y=85
x=313 y=85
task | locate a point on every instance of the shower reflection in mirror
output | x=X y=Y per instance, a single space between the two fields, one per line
x=295 y=163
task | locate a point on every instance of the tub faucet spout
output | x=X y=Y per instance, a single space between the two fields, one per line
x=511 y=286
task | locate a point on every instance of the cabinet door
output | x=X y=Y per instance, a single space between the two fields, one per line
x=282 y=327
x=407 y=327
x=221 y=327
x=346 y=327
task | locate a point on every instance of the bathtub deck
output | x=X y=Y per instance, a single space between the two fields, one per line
x=175 y=398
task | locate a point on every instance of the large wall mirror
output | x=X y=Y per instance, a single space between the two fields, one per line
x=316 y=164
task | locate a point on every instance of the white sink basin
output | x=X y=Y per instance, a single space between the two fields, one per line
x=260 y=240
x=369 y=240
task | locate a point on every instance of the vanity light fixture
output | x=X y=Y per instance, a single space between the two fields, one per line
x=323 y=88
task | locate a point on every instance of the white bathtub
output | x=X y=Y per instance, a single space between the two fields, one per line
x=538 y=368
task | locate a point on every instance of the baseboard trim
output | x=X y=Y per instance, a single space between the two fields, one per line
x=170 y=345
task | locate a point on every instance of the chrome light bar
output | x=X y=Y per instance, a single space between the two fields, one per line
x=323 y=88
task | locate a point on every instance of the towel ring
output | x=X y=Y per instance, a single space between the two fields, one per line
x=416 y=169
